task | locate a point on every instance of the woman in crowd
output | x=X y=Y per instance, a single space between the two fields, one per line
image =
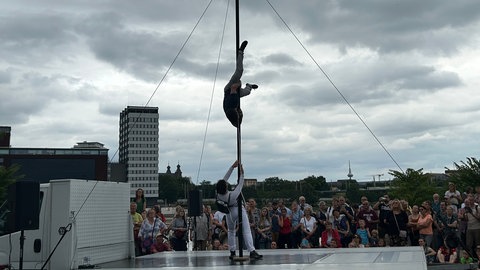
x=180 y=229
x=309 y=226
x=330 y=236
x=413 y=233
x=396 y=221
x=424 y=224
x=446 y=254
x=140 y=201
x=264 y=232
x=429 y=252
x=151 y=226
x=285 y=230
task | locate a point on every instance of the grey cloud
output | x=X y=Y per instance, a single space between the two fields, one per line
x=26 y=38
x=5 y=76
x=388 y=27
x=280 y=59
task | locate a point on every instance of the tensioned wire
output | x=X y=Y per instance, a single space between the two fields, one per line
x=213 y=91
x=334 y=86
x=168 y=70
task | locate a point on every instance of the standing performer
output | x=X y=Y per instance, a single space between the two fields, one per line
x=230 y=198
x=234 y=91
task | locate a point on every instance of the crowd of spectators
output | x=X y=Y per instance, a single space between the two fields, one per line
x=447 y=227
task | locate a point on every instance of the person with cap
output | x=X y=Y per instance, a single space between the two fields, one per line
x=230 y=198
x=233 y=91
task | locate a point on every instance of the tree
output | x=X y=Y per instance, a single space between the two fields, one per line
x=412 y=186
x=466 y=173
x=8 y=176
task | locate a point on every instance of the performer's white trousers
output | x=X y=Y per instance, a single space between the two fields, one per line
x=247 y=234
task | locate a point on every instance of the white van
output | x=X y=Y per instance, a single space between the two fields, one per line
x=95 y=215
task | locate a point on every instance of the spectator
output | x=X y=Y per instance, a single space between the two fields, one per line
x=430 y=254
x=302 y=204
x=217 y=245
x=342 y=225
x=330 y=236
x=220 y=223
x=476 y=196
x=297 y=215
x=383 y=206
x=281 y=205
x=309 y=225
x=140 y=201
x=373 y=241
x=438 y=225
x=275 y=217
x=331 y=208
x=465 y=258
x=453 y=196
x=253 y=214
x=472 y=216
x=180 y=230
x=363 y=232
x=436 y=203
x=368 y=214
x=200 y=231
x=446 y=254
x=381 y=242
x=449 y=227
x=161 y=244
x=396 y=221
x=137 y=223
x=273 y=245
x=285 y=230
x=356 y=242
x=321 y=217
x=151 y=226
x=264 y=230
x=347 y=210
x=424 y=224
x=158 y=212
x=413 y=232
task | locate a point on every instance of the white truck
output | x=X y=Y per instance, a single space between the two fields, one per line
x=100 y=231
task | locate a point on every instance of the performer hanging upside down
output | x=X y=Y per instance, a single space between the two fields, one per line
x=231 y=199
x=234 y=91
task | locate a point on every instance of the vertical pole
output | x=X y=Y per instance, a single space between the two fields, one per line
x=22 y=241
x=239 y=139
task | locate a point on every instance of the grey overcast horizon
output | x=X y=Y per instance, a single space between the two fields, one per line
x=409 y=68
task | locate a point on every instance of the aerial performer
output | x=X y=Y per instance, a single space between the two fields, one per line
x=230 y=199
x=234 y=91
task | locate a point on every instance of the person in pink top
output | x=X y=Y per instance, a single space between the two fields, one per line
x=424 y=224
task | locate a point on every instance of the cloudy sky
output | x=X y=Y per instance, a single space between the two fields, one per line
x=408 y=68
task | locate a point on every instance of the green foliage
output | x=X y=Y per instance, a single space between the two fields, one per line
x=8 y=176
x=413 y=186
x=172 y=188
x=466 y=174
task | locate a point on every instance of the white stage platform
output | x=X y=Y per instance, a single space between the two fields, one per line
x=392 y=258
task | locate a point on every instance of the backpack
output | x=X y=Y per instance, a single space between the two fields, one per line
x=222 y=206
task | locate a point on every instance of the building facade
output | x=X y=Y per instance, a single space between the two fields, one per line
x=138 y=148
x=84 y=161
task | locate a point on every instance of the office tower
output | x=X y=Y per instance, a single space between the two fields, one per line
x=138 y=148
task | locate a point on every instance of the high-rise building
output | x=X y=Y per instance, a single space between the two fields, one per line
x=138 y=148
